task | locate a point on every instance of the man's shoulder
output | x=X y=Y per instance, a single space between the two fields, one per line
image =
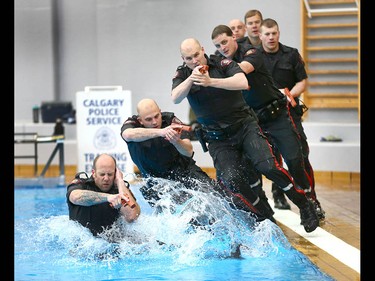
x=82 y=177
x=166 y=117
x=183 y=68
x=248 y=50
x=215 y=58
x=219 y=60
x=287 y=49
x=80 y=182
x=167 y=114
x=182 y=72
x=132 y=121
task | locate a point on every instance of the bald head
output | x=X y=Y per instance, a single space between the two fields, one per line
x=149 y=113
x=189 y=45
x=105 y=159
x=147 y=105
x=192 y=53
x=238 y=28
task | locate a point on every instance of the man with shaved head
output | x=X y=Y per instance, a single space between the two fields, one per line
x=231 y=128
x=161 y=148
x=97 y=202
x=238 y=28
x=154 y=140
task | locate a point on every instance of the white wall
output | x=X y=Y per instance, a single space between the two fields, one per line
x=61 y=46
x=34 y=75
x=132 y=43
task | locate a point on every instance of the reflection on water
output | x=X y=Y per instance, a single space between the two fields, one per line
x=162 y=244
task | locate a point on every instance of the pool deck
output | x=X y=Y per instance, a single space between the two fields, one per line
x=334 y=246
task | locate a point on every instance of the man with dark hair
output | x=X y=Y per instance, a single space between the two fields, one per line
x=270 y=105
x=252 y=20
x=288 y=72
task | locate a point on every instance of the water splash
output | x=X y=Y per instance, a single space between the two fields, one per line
x=217 y=229
x=186 y=230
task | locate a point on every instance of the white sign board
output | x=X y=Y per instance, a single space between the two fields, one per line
x=100 y=114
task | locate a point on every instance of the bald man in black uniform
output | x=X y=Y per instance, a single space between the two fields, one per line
x=160 y=148
x=229 y=126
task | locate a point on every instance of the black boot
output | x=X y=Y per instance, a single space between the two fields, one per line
x=318 y=208
x=279 y=198
x=309 y=218
x=264 y=209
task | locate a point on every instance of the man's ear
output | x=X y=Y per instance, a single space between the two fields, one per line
x=140 y=120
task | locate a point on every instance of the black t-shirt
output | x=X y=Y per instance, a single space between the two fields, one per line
x=156 y=157
x=286 y=66
x=96 y=217
x=262 y=88
x=215 y=108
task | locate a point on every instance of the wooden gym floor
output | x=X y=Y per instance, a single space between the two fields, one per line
x=341 y=202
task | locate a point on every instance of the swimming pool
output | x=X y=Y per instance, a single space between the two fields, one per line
x=48 y=246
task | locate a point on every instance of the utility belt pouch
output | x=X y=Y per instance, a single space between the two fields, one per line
x=300 y=109
x=200 y=137
x=271 y=111
x=215 y=135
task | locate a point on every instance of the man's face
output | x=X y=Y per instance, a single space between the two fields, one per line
x=252 y=25
x=226 y=45
x=151 y=118
x=193 y=56
x=104 y=174
x=238 y=28
x=270 y=38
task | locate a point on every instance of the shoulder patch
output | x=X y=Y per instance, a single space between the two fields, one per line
x=76 y=181
x=129 y=121
x=250 y=52
x=179 y=72
x=225 y=62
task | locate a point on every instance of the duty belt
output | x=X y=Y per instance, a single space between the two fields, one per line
x=272 y=110
x=223 y=133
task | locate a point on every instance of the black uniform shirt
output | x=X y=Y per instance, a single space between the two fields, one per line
x=95 y=217
x=262 y=88
x=215 y=108
x=155 y=157
x=286 y=66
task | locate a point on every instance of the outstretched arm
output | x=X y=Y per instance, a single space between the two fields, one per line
x=235 y=82
x=171 y=133
x=141 y=134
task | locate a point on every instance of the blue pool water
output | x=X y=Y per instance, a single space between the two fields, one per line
x=48 y=246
